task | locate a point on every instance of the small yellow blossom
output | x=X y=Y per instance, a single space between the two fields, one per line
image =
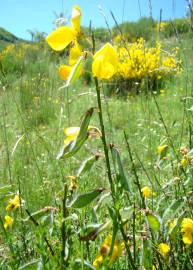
x=14 y=203
x=104 y=250
x=164 y=249
x=8 y=222
x=184 y=162
x=105 y=62
x=161 y=150
x=64 y=71
x=172 y=224
x=73 y=182
x=187 y=230
x=117 y=251
x=98 y=261
x=72 y=133
x=146 y=191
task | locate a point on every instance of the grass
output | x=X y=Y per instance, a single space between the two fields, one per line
x=34 y=112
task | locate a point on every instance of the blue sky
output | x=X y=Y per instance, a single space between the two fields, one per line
x=19 y=15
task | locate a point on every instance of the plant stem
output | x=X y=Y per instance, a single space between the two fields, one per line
x=131 y=261
x=63 y=228
x=104 y=138
x=134 y=171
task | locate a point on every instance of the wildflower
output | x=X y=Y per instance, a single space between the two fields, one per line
x=98 y=261
x=105 y=62
x=146 y=191
x=161 y=150
x=61 y=38
x=163 y=249
x=64 y=71
x=73 y=182
x=172 y=224
x=8 y=222
x=104 y=250
x=184 y=162
x=187 y=230
x=14 y=203
x=117 y=251
x=72 y=133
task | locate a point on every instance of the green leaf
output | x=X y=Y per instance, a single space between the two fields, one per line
x=70 y=149
x=87 y=265
x=87 y=165
x=91 y=231
x=5 y=189
x=154 y=222
x=83 y=200
x=174 y=231
x=31 y=265
x=40 y=213
x=75 y=72
x=146 y=256
x=119 y=169
x=173 y=209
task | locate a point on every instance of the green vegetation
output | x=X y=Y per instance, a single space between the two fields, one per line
x=61 y=205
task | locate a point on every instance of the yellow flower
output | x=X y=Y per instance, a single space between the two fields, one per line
x=117 y=251
x=64 y=71
x=76 y=17
x=161 y=150
x=73 y=182
x=61 y=38
x=146 y=191
x=164 y=249
x=184 y=162
x=98 y=261
x=8 y=222
x=104 y=250
x=72 y=133
x=172 y=223
x=75 y=53
x=14 y=203
x=187 y=230
x=105 y=62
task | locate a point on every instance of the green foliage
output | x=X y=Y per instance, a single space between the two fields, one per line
x=176 y=26
x=144 y=28
x=85 y=199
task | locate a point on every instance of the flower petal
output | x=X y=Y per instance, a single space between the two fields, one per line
x=105 y=62
x=75 y=53
x=76 y=17
x=61 y=38
x=64 y=72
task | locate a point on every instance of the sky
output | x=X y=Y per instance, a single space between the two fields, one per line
x=17 y=16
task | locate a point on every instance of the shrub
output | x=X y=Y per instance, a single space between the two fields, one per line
x=142 y=66
x=181 y=26
x=144 y=27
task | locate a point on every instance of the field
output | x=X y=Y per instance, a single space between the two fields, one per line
x=115 y=192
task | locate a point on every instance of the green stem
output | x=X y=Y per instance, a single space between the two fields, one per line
x=131 y=261
x=63 y=229
x=134 y=171
x=104 y=138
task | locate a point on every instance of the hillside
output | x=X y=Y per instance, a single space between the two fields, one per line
x=7 y=37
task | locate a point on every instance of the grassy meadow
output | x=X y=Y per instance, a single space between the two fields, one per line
x=118 y=198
